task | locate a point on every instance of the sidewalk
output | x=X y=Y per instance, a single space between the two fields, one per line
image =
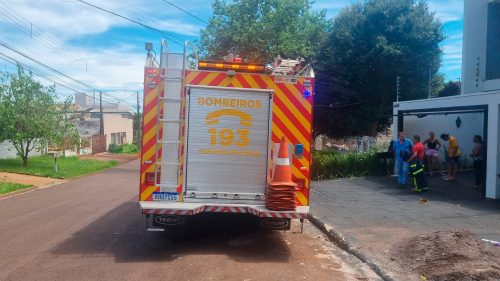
x=106 y=156
x=372 y=214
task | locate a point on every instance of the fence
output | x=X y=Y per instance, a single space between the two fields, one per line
x=98 y=144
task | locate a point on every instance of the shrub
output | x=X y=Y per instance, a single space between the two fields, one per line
x=130 y=148
x=115 y=148
x=125 y=148
x=334 y=164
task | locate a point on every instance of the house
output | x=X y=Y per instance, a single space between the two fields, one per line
x=117 y=120
x=476 y=110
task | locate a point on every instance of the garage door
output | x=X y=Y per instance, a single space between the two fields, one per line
x=227 y=143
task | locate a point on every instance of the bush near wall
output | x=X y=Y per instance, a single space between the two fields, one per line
x=125 y=148
x=335 y=164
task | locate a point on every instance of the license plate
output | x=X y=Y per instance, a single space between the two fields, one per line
x=165 y=196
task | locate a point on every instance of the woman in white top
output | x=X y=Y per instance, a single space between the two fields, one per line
x=432 y=146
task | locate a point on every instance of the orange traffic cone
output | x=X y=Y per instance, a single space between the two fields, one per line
x=280 y=195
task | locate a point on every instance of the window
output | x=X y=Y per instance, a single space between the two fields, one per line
x=95 y=115
x=118 y=138
x=493 y=42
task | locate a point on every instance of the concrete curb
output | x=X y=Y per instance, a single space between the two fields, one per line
x=28 y=190
x=342 y=243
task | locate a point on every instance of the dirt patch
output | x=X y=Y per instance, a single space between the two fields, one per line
x=29 y=180
x=448 y=255
x=106 y=156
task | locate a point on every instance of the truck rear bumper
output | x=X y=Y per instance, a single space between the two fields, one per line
x=186 y=209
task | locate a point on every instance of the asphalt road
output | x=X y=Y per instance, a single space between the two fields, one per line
x=91 y=229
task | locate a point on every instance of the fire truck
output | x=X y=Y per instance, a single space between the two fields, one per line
x=212 y=134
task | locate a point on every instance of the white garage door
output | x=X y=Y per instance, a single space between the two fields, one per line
x=227 y=143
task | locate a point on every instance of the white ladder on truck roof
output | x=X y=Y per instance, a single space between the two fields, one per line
x=167 y=165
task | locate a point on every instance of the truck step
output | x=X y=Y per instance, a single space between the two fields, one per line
x=170 y=120
x=171 y=99
x=155 y=229
x=169 y=142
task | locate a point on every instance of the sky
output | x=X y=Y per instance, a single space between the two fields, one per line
x=92 y=49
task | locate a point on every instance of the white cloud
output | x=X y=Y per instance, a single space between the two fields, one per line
x=118 y=67
x=178 y=27
x=447 y=10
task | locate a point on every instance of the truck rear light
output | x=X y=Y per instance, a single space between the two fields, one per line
x=150 y=178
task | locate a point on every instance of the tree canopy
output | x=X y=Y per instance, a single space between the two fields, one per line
x=30 y=115
x=450 y=89
x=260 y=30
x=370 y=45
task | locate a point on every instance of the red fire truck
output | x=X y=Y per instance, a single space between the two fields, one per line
x=211 y=131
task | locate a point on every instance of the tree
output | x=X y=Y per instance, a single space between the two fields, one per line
x=260 y=30
x=137 y=120
x=450 y=89
x=370 y=45
x=29 y=114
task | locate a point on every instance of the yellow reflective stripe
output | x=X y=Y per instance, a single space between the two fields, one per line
x=211 y=76
x=302 y=199
x=291 y=127
x=294 y=110
x=279 y=133
x=147 y=192
x=149 y=135
x=298 y=95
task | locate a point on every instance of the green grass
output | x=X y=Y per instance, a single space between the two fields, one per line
x=334 y=164
x=6 y=187
x=68 y=167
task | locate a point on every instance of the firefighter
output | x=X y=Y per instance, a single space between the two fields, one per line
x=416 y=163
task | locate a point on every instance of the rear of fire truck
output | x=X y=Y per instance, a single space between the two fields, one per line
x=225 y=136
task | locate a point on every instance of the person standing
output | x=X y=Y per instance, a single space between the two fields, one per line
x=416 y=162
x=477 y=156
x=402 y=147
x=432 y=153
x=453 y=156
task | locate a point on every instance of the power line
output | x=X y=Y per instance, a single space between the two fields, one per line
x=134 y=21
x=343 y=105
x=44 y=65
x=45 y=76
x=118 y=99
x=45 y=39
x=179 y=8
x=40 y=72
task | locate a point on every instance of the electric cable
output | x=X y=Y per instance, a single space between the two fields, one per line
x=186 y=12
x=134 y=21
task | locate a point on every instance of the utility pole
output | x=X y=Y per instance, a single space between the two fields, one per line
x=397 y=89
x=100 y=110
x=430 y=78
x=138 y=124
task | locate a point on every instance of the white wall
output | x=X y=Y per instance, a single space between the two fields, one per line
x=498 y=150
x=472 y=124
x=474 y=48
x=8 y=151
x=115 y=123
x=493 y=165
